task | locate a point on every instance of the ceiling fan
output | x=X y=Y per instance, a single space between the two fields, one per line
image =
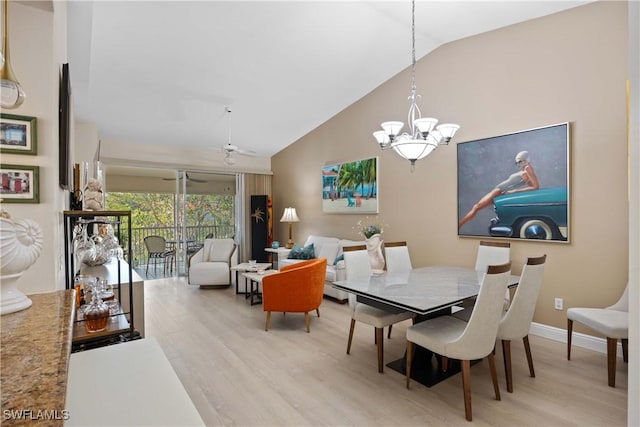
x=200 y=181
x=231 y=150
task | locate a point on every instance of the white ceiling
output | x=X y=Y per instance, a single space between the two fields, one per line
x=162 y=72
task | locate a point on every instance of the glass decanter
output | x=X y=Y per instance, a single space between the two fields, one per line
x=96 y=313
x=83 y=247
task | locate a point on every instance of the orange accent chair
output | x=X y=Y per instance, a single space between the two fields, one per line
x=297 y=288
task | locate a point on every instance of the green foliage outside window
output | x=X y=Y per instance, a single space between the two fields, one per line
x=157 y=210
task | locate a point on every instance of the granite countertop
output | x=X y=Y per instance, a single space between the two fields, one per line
x=34 y=359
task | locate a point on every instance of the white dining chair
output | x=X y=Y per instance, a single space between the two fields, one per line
x=515 y=323
x=397 y=257
x=465 y=341
x=492 y=253
x=489 y=253
x=357 y=266
x=612 y=322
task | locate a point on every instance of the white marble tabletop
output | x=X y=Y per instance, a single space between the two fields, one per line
x=421 y=290
x=245 y=266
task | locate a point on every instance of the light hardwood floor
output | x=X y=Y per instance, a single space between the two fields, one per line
x=239 y=375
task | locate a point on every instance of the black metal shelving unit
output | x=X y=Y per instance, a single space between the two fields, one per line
x=121 y=327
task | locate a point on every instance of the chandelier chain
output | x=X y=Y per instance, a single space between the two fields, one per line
x=424 y=134
x=414 y=111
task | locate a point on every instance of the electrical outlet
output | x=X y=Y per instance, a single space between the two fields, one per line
x=558 y=303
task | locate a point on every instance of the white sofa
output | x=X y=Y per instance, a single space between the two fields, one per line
x=211 y=265
x=329 y=248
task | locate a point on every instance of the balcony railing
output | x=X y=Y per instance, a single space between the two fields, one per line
x=195 y=233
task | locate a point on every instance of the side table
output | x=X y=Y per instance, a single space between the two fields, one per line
x=277 y=253
x=244 y=267
x=255 y=279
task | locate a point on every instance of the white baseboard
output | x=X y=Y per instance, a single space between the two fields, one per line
x=581 y=340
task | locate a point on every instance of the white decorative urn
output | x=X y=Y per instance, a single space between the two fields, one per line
x=20 y=246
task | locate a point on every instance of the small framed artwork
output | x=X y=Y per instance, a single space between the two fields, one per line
x=515 y=186
x=20 y=184
x=18 y=134
x=350 y=187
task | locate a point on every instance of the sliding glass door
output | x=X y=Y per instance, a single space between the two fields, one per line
x=205 y=207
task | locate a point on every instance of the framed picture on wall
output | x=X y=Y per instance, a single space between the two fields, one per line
x=20 y=184
x=18 y=134
x=516 y=185
x=350 y=187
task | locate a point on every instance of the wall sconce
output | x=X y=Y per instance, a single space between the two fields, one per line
x=290 y=216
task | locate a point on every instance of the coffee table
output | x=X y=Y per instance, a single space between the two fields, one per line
x=246 y=267
x=255 y=279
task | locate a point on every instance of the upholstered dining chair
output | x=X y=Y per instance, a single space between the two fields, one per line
x=515 y=323
x=357 y=266
x=465 y=341
x=492 y=253
x=489 y=253
x=612 y=322
x=156 y=251
x=397 y=257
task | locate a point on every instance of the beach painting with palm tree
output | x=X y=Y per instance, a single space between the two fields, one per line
x=350 y=187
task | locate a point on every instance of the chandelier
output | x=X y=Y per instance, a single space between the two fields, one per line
x=423 y=136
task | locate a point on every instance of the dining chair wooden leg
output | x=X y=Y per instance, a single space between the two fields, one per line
x=353 y=325
x=625 y=350
x=266 y=325
x=380 y=345
x=527 y=350
x=506 y=356
x=318 y=311
x=466 y=387
x=389 y=332
x=409 y=358
x=569 y=330
x=612 y=344
x=494 y=375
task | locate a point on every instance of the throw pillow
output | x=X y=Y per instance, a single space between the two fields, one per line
x=302 y=253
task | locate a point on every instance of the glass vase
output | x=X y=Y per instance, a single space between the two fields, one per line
x=92 y=186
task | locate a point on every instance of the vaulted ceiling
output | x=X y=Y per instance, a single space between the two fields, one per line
x=163 y=72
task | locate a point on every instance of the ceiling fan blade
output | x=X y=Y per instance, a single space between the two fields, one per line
x=250 y=153
x=200 y=181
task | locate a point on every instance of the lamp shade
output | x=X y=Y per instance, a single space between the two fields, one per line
x=289 y=215
x=413 y=149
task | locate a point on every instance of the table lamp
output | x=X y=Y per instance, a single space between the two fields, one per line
x=290 y=216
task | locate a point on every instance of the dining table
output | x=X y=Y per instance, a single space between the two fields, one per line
x=428 y=292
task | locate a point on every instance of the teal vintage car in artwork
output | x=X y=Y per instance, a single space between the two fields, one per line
x=536 y=214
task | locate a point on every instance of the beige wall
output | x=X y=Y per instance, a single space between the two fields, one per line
x=570 y=66
x=37 y=40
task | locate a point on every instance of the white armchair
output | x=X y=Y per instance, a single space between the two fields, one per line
x=211 y=265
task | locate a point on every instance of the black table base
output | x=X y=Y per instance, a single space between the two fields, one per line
x=426 y=367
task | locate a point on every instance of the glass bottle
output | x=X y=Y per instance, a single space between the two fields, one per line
x=96 y=314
